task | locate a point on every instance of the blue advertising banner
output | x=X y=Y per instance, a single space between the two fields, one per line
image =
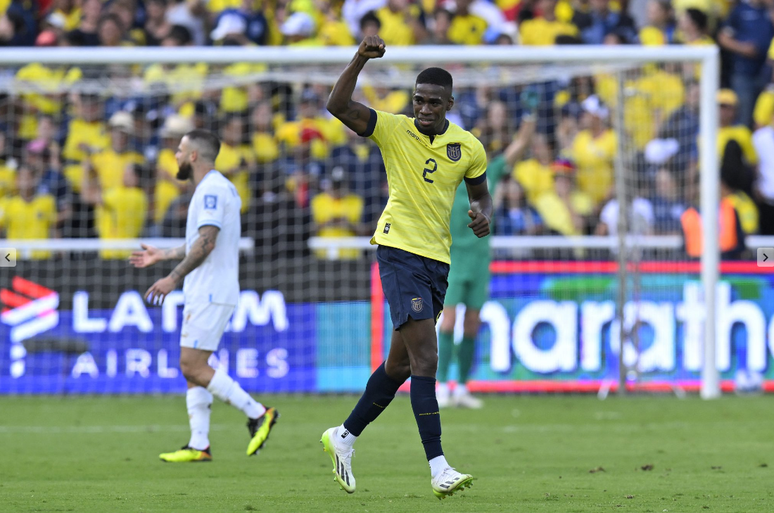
x=269 y=346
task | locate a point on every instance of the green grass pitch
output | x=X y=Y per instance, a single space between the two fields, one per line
x=532 y=454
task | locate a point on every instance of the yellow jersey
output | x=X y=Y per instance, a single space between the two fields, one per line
x=541 y=32
x=467 y=30
x=110 y=166
x=29 y=219
x=167 y=189
x=395 y=31
x=229 y=162
x=121 y=216
x=740 y=134
x=89 y=133
x=594 y=158
x=423 y=176
x=325 y=208
x=534 y=177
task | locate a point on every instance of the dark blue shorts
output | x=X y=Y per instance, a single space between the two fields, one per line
x=414 y=286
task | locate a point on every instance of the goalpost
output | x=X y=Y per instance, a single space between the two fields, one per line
x=296 y=281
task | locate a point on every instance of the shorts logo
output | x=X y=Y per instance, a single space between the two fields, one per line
x=387 y=228
x=416 y=304
x=454 y=151
x=210 y=202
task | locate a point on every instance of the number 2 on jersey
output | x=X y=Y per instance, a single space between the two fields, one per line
x=427 y=170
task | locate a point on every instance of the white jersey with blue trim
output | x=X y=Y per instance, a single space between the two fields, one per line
x=215 y=202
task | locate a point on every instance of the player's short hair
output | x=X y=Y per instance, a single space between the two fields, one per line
x=436 y=76
x=206 y=142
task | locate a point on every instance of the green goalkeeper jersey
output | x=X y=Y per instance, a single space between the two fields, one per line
x=469 y=254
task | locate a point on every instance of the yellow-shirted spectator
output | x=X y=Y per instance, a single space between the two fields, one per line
x=337 y=213
x=298 y=30
x=7 y=173
x=543 y=31
x=172 y=76
x=651 y=99
x=536 y=175
x=467 y=28
x=660 y=29
x=121 y=210
x=110 y=163
x=763 y=114
x=46 y=82
x=168 y=188
x=333 y=31
x=386 y=100
x=564 y=209
x=236 y=159
x=235 y=98
x=86 y=135
x=401 y=25
x=727 y=131
x=593 y=151
x=746 y=210
x=692 y=27
x=264 y=143
x=28 y=215
x=332 y=130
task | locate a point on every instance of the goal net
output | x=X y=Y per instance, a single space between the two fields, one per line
x=609 y=215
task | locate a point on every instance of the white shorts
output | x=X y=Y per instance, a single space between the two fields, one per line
x=203 y=325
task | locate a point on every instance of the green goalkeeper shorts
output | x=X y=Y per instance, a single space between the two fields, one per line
x=468 y=290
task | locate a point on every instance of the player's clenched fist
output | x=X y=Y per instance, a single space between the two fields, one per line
x=372 y=47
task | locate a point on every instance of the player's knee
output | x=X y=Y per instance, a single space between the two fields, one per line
x=425 y=365
x=399 y=371
x=190 y=369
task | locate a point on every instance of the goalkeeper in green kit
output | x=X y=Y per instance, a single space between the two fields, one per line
x=469 y=273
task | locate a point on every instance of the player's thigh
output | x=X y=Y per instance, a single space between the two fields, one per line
x=456 y=292
x=477 y=291
x=421 y=345
x=204 y=324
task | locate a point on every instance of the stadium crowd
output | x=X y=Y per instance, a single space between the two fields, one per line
x=76 y=162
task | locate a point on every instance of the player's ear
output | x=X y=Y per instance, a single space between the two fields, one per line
x=450 y=104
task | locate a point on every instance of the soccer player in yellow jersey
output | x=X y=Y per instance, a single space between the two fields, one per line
x=426 y=158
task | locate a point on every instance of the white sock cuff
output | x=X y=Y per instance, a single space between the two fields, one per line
x=198 y=396
x=220 y=385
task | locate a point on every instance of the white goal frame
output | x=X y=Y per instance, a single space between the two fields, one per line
x=706 y=56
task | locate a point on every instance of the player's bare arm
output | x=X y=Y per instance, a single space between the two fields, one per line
x=150 y=255
x=481 y=208
x=354 y=114
x=200 y=250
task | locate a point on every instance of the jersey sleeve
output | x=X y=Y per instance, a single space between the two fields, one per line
x=381 y=126
x=476 y=172
x=211 y=207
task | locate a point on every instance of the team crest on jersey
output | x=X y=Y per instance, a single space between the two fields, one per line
x=416 y=304
x=454 y=151
x=210 y=202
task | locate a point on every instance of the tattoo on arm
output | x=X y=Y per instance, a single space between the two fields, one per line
x=353 y=114
x=174 y=253
x=199 y=252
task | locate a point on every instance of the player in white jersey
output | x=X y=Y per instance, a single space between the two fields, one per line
x=210 y=268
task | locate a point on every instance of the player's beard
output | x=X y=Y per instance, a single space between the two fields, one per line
x=184 y=171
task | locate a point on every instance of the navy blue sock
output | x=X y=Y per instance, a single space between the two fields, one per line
x=379 y=393
x=425 y=407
